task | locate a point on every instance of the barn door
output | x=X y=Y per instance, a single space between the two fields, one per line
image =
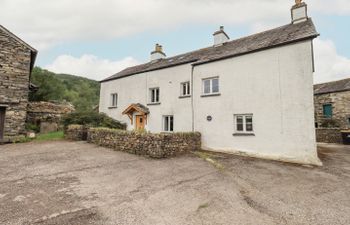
x=2 y=122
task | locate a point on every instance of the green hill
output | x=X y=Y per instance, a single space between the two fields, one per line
x=83 y=93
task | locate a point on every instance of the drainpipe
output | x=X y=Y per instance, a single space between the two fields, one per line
x=192 y=95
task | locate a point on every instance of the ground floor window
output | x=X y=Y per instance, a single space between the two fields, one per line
x=243 y=123
x=168 y=123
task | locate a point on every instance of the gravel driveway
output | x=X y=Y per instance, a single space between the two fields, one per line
x=78 y=183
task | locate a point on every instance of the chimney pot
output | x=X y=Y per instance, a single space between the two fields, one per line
x=157 y=53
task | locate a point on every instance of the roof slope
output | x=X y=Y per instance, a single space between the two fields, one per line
x=264 y=40
x=34 y=52
x=334 y=86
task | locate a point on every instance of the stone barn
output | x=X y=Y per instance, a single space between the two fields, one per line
x=16 y=63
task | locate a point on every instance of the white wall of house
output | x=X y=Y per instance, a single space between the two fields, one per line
x=135 y=89
x=276 y=86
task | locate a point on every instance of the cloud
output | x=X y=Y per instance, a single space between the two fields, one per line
x=89 y=66
x=46 y=23
x=329 y=64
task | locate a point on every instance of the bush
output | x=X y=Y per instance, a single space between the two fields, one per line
x=91 y=119
x=32 y=127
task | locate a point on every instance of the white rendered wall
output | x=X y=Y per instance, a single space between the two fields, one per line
x=135 y=89
x=276 y=86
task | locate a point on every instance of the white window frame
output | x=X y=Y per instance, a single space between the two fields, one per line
x=154 y=91
x=187 y=86
x=244 y=117
x=114 y=100
x=166 y=124
x=210 y=86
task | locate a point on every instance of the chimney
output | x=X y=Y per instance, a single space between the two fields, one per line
x=157 y=53
x=220 y=37
x=299 y=12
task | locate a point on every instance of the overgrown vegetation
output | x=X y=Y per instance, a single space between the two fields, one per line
x=53 y=136
x=92 y=119
x=81 y=92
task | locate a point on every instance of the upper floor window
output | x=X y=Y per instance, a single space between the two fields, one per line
x=185 y=89
x=154 y=95
x=211 y=86
x=168 y=123
x=327 y=110
x=114 y=100
x=243 y=123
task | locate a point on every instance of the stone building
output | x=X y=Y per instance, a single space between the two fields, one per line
x=16 y=63
x=332 y=104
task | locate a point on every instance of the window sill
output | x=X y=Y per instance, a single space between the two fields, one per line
x=185 y=96
x=154 y=103
x=243 y=134
x=112 y=107
x=210 y=95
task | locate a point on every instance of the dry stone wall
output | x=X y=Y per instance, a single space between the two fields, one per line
x=329 y=135
x=140 y=143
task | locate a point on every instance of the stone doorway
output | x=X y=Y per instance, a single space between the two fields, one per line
x=2 y=122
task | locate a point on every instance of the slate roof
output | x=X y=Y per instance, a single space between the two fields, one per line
x=272 y=38
x=334 y=86
x=34 y=52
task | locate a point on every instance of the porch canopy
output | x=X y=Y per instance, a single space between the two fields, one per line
x=138 y=108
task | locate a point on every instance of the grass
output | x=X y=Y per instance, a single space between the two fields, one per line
x=209 y=158
x=203 y=206
x=53 y=136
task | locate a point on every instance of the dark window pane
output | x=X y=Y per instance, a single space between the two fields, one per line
x=215 y=85
x=206 y=88
x=249 y=119
x=171 y=123
x=239 y=127
x=152 y=95
x=239 y=119
x=166 y=123
x=249 y=127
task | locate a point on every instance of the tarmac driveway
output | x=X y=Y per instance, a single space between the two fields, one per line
x=78 y=183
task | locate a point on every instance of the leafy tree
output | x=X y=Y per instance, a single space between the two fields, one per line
x=83 y=93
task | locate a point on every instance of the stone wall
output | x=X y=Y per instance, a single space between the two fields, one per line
x=47 y=115
x=75 y=132
x=340 y=105
x=329 y=135
x=15 y=59
x=140 y=143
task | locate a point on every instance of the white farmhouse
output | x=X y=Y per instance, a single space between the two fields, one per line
x=251 y=96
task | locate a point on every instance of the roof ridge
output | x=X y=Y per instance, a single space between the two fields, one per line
x=333 y=81
x=270 y=38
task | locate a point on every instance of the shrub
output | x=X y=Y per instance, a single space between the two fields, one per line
x=91 y=119
x=32 y=127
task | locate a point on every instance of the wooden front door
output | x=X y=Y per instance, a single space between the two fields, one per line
x=2 y=122
x=140 y=122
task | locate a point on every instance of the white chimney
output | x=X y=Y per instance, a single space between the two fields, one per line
x=157 y=53
x=220 y=37
x=299 y=12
